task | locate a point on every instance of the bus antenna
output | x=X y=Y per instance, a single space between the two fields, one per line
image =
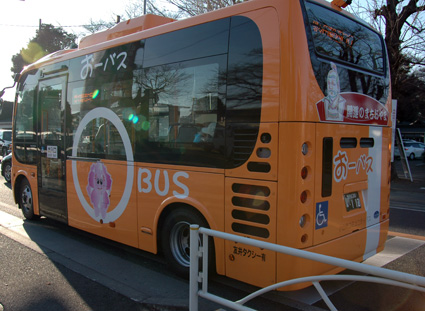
x=341 y=3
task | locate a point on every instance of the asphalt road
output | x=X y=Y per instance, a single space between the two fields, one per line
x=407 y=201
x=31 y=281
x=49 y=266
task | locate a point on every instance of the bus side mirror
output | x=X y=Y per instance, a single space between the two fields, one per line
x=15 y=79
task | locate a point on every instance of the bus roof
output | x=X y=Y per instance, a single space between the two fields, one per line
x=125 y=28
x=150 y=22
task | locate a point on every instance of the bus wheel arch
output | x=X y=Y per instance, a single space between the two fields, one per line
x=25 y=198
x=173 y=239
x=17 y=187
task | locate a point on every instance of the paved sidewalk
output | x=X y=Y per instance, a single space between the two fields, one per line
x=139 y=284
x=47 y=267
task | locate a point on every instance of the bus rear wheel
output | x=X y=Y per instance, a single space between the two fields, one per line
x=26 y=200
x=175 y=239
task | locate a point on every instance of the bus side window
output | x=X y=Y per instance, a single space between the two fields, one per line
x=185 y=111
x=24 y=135
x=100 y=138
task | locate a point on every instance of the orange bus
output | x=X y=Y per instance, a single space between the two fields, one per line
x=268 y=119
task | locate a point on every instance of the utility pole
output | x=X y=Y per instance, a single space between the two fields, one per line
x=39 y=25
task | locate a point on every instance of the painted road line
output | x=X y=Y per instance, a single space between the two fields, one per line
x=408 y=207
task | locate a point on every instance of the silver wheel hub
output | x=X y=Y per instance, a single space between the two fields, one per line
x=26 y=198
x=180 y=243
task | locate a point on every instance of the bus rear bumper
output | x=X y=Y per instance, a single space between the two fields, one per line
x=356 y=246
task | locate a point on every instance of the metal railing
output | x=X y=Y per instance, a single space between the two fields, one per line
x=379 y=275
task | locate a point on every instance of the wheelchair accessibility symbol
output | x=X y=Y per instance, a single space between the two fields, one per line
x=321 y=215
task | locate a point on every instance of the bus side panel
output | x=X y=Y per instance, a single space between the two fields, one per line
x=106 y=204
x=352 y=180
x=251 y=212
x=268 y=24
x=297 y=169
x=162 y=188
x=263 y=161
x=379 y=207
x=345 y=233
x=386 y=169
x=290 y=267
x=299 y=86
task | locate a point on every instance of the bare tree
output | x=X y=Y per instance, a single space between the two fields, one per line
x=177 y=8
x=169 y=8
x=196 y=7
x=135 y=8
x=95 y=26
x=403 y=25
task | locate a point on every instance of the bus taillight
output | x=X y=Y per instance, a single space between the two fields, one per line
x=304 y=172
x=303 y=196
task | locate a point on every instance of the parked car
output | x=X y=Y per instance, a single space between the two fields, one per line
x=414 y=150
x=6 y=167
x=5 y=141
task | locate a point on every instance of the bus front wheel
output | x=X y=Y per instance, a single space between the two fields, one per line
x=175 y=239
x=26 y=200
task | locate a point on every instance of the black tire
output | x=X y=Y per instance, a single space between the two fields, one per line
x=26 y=203
x=7 y=171
x=175 y=241
x=412 y=156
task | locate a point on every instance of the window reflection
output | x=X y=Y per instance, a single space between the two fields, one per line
x=50 y=98
x=341 y=38
x=100 y=138
x=171 y=95
x=24 y=135
x=357 y=51
x=244 y=76
x=180 y=101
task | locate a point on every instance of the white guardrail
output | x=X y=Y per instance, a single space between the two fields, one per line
x=375 y=274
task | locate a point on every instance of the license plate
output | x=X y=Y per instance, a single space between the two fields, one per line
x=352 y=201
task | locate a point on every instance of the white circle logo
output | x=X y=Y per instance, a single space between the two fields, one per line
x=115 y=213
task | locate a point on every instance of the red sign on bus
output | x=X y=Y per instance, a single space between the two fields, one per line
x=354 y=108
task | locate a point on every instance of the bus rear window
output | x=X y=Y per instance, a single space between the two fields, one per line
x=337 y=37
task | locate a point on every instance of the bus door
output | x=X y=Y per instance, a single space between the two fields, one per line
x=51 y=142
